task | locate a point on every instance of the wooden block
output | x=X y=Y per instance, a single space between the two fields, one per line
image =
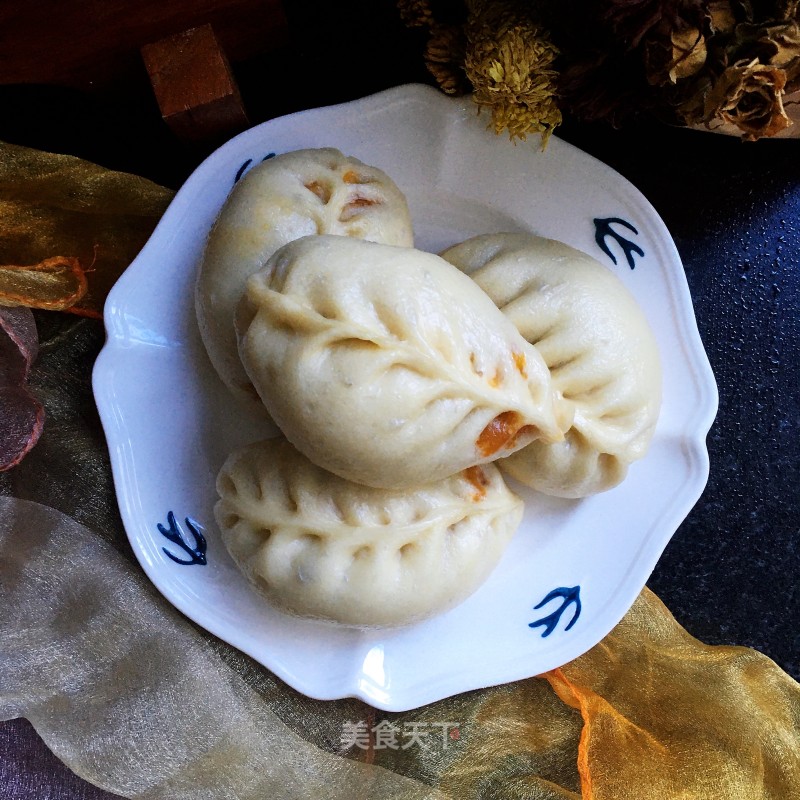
x=194 y=85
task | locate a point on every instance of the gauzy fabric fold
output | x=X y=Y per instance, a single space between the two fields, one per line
x=140 y=701
x=130 y=695
x=69 y=228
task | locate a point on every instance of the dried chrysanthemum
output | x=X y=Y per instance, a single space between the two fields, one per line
x=510 y=63
x=497 y=51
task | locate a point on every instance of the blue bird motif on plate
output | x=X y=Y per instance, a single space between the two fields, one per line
x=241 y=171
x=603 y=229
x=570 y=596
x=197 y=554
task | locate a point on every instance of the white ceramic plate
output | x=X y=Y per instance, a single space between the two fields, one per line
x=170 y=423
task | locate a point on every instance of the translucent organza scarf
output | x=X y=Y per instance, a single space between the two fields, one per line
x=137 y=700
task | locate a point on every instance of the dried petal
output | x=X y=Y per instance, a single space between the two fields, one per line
x=780 y=47
x=21 y=424
x=635 y=21
x=19 y=344
x=626 y=54
x=723 y=19
x=785 y=9
x=689 y=53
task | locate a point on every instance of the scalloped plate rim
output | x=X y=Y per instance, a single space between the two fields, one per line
x=435 y=686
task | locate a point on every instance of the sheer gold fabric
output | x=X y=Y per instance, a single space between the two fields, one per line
x=137 y=700
x=68 y=228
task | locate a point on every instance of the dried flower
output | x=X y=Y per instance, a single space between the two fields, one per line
x=497 y=51
x=776 y=45
x=621 y=54
x=750 y=96
x=444 y=56
x=631 y=22
x=510 y=63
x=690 y=62
x=749 y=72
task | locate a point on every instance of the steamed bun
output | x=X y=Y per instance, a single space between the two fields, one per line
x=319 y=546
x=387 y=365
x=602 y=356
x=292 y=195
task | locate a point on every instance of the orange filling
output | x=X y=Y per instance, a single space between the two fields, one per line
x=504 y=431
x=352 y=208
x=319 y=190
x=477 y=477
x=499 y=431
x=525 y=430
x=473 y=360
x=519 y=361
x=361 y=202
